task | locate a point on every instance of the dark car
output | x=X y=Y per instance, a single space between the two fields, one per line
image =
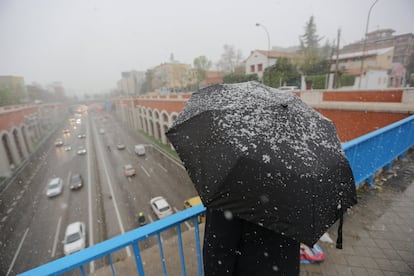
x=76 y=181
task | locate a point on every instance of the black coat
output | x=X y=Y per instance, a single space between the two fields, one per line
x=236 y=247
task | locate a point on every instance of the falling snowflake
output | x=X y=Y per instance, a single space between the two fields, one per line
x=266 y=158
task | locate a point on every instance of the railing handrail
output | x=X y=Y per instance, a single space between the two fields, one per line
x=104 y=248
x=371 y=152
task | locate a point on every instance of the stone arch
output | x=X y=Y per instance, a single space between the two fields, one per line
x=18 y=143
x=173 y=117
x=158 y=135
x=5 y=139
x=25 y=140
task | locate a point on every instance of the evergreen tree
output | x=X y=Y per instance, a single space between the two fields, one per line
x=282 y=73
x=309 y=44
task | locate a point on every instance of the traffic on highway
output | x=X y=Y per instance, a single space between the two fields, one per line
x=90 y=180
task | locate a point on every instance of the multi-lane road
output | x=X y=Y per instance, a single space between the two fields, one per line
x=32 y=225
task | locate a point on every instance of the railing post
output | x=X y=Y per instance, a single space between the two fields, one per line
x=164 y=269
x=138 y=260
x=180 y=246
x=198 y=246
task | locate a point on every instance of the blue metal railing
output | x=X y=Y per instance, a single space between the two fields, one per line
x=367 y=154
x=376 y=150
x=131 y=238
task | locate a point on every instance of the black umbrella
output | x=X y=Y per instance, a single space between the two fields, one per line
x=264 y=156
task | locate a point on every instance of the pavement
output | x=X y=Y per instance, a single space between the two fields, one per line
x=378 y=235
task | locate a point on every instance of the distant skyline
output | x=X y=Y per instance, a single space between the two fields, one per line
x=86 y=45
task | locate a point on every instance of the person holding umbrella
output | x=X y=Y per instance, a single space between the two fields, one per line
x=271 y=172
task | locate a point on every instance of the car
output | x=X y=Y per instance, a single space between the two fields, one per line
x=76 y=181
x=81 y=151
x=139 y=149
x=120 y=146
x=194 y=201
x=161 y=207
x=54 y=187
x=59 y=142
x=75 y=238
x=129 y=170
x=288 y=88
x=81 y=135
x=65 y=131
x=67 y=148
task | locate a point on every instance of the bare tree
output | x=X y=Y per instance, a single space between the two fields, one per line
x=230 y=59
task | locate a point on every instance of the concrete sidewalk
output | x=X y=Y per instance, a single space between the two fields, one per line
x=378 y=235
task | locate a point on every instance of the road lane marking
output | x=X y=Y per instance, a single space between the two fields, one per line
x=185 y=222
x=108 y=180
x=91 y=242
x=55 y=242
x=162 y=167
x=145 y=171
x=169 y=157
x=17 y=252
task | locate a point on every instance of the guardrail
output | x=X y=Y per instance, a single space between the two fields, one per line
x=131 y=238
x=378 y=149
x=367 y=154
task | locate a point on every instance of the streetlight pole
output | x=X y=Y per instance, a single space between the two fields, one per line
x=365 y=44
x=268 y=41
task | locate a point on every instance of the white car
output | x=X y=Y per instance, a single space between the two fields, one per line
x=67 y=148
x=139 y=149
x=161 y=207
x=81 y=151
x=75 y=238
x=54 y=187
x=59 y=142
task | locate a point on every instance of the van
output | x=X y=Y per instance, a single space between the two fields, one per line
x=140 y=149
x=194 y=201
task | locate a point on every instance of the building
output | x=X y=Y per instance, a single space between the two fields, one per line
x=350 y=63
x=173 y=77
x=131 y=82
x=12 y=90
x=259 y=60
x=403 y=44
x=212 y=77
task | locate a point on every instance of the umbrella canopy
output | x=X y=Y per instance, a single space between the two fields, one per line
x=265 y=156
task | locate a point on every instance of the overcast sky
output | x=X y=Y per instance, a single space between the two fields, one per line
x=86 y=44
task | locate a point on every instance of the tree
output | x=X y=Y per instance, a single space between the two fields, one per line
x=236 y=78
x=410 y=71
x=309 y=44
x=281 y=73
x=147 y=84
x=201 y=65
x=230 y=59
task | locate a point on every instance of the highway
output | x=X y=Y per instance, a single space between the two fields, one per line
x=32 y=225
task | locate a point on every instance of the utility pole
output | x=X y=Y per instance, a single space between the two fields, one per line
x=336 y=79
x=365 y=44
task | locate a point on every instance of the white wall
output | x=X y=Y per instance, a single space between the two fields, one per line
x=257 y=58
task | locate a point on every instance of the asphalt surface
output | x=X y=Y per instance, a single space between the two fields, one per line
x=32 y=225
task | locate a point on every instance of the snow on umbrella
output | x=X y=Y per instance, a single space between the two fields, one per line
x=266 y=157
